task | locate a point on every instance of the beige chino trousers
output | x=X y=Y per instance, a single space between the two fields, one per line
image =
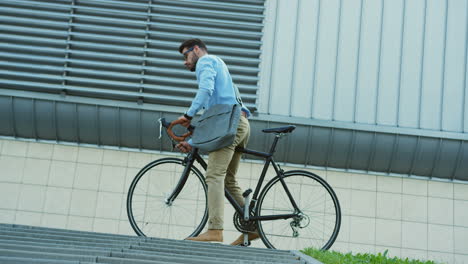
x=221 y=172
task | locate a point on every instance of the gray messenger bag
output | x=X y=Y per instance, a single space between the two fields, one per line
x=217 y=127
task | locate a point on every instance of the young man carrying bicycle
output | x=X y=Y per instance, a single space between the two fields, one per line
x=215 y=86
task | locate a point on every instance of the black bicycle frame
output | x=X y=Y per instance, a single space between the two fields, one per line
x=195 y=156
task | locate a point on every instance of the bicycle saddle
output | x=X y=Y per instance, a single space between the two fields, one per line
x=285 y=129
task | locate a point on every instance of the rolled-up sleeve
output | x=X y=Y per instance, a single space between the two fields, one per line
x=206 y=75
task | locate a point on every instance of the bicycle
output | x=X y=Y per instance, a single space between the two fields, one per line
x=294 y=210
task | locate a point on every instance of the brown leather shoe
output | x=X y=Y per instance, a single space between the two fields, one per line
x=240 y=239
x=212 y=235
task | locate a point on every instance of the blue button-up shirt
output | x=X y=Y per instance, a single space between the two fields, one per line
x=215 y=85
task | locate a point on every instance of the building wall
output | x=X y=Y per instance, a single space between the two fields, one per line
x=400 y=63
x=84 y=188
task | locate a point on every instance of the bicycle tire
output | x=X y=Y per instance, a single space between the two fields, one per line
x=304 y=186
x=147 y=211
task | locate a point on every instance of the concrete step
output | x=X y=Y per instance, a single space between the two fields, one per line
x=27 y=244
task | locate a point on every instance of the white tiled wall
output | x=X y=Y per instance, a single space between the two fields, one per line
x=84 y=188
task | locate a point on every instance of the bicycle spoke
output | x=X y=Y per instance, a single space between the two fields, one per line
x=315 y=226
x=147 y=209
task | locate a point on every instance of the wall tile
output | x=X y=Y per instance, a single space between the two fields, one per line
x=440 y=211
x=125 y=228
x=36 y=171
x=389 y=184
x=461 y=213
x=28 y=218
x=7 y=216
x=62 y=173
x=461 y=191
x=339 y=179
x=363 y=182
x=344 y=198
x=10 y=193
x=440 y=238
x=460 y=259
x=106 y=226
x=415 y=187
x=461 y=240
x=363 y=203
x=90 y=155
x=115 y=157
x=14 y=148
x=130 y=175
x=112 y=179
x=362 y=230
x=414 y=235
x=389 y=206
x=32 y=198
x=11 y=168
x=109 y=205
x=65 y=153
x=83 y=203
x=388 y=233
x=54 y=221
x=244 y=171
x=414 y=208
x=138 y=159
x=40 y=150
x=80 y=223
x=87 y=176
x=440 y=189
x=57 y=200
x=343 y=235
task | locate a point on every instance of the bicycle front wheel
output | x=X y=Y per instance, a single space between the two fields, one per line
x=319 y=217
x=149 y=212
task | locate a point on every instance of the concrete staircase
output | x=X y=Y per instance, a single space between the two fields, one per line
x=27 y=244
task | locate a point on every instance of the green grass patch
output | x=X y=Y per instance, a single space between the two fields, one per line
x=333 y=257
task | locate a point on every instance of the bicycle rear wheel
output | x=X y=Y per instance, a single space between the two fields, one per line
x=320 y=214
x=151 y=215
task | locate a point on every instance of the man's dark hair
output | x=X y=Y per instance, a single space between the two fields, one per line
x=192 y=42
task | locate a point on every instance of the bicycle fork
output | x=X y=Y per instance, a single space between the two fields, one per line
x=183 y=179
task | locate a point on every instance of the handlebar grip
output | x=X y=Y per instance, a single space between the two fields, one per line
x=169 y=127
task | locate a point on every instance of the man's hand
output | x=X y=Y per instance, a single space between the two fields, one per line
x=184 y=147
x=184 y=121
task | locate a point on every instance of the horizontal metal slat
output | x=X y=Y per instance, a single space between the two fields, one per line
x=56 y=5
x=242 y=16
x=34 y=39
x=230 y=42
x=34 y=31
x=42 y=22
x=206 y=21
x=209 y=30
x=41 y=76
x=33 y=12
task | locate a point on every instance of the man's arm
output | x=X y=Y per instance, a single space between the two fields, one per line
x=206 y=75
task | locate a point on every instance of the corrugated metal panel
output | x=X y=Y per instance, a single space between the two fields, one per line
x=327 y=144
x=125 y=50
x=394 y=63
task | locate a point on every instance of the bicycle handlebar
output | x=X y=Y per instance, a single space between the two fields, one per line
x=170 y=125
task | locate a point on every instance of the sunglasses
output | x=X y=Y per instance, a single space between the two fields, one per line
x=187 y=52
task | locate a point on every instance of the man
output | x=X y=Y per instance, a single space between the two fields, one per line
x=215 y=86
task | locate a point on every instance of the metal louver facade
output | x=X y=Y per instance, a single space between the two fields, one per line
x=125 y=50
